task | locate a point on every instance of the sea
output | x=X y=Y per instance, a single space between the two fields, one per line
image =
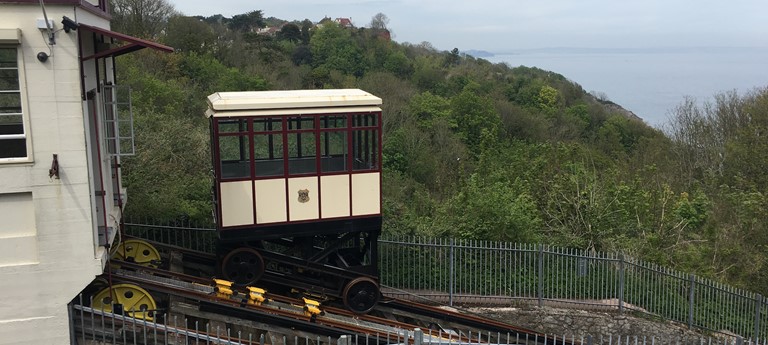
x=651 y=82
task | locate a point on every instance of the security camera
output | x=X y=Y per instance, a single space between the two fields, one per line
x=42 y=57
x=69 y=24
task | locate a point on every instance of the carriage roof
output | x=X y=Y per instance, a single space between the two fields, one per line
x=269 y=103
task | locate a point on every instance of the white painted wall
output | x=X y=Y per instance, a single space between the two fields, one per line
x=57 y=257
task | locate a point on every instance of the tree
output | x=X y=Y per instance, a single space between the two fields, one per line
x=306 y=25
x=452 y=58
x=142 y=18
x=427 y=107
x=334 y=49
x=398 y=64
x=379 y=21
x=247 y=22
x=302 y=55
x=475 y=119
x=189 y=34
x=548 y=98
x=491 y=208
x=289 y=32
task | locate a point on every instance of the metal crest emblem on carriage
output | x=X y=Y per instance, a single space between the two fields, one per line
x=303 y=195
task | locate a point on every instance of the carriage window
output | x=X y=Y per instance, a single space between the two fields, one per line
x=233 y=126
x=365 y=149
x=334 y=121
x=301 y=122
x=235 y=156
x=301 y=153
x=267 y=125
x=365 y=120
x=333 y=151
x=268 y=154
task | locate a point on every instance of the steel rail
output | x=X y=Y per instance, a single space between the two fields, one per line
x=409 y=308
x=283 y=299
x=280 y=317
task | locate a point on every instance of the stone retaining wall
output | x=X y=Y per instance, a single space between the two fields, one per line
x=578 y=323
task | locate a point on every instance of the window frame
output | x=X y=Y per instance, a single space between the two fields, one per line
x=241 y=133
x=29 y=158
x=316 y=132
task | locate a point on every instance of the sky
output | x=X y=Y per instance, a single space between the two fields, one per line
x=508 y=25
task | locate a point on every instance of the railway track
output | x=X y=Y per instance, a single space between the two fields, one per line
x=392 y=321
x=279 y=311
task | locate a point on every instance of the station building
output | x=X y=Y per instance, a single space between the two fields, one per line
x=64 y=126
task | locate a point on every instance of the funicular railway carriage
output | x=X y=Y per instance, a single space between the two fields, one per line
x=297 y=190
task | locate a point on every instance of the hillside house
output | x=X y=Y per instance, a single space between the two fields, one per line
x=344 y=22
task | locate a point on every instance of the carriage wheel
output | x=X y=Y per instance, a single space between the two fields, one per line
x=138 y=252
x=135 y=301
x=361 y=295
x=243 y=266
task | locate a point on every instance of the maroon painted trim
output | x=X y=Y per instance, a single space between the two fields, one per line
x=380 y=165
x=274 y=177
x=350 y=159
x=318 y=163
x=134 y=43
x=237 y=227
x=100 y=10
x=128 y=48
x=94 y=42
x=92 y=105
x=233 y=134
x=82 y=66
x=217 y=172
x=252 y=163
x=285 y=168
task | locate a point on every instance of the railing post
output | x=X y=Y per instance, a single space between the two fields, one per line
x=540 y=289
x=451 y=277
x=343 y=340
x=692 y=280
x=758 y=304
x=418 y=337
x=621 y=282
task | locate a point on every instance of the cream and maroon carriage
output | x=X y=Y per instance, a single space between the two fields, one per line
x=297 y=191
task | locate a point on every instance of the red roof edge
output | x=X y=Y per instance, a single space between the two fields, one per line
x=134 y=42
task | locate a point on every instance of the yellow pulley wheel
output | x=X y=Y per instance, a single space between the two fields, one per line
x=136 y=302
x=139 y=252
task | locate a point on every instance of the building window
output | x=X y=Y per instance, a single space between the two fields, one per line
x=13 y=137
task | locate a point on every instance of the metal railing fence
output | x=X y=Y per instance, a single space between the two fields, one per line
x=467 y=272
x=475 y=272
x=179 y=233
x=97 y=326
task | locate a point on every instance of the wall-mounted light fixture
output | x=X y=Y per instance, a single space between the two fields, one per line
x=69 y=24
